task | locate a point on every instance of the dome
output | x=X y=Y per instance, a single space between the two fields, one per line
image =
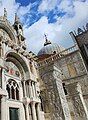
x=50 y=48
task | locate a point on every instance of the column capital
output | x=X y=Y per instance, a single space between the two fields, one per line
x=33 y=102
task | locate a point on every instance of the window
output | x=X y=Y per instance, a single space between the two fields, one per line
x=72 y=69
x=65 y=91
x=14 y=113
x=13 y=90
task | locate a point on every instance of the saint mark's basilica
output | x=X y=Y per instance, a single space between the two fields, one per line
x=52 y=85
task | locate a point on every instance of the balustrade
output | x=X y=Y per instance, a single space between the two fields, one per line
x=56 y=56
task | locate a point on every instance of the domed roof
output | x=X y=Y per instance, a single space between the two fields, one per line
x=50 y=48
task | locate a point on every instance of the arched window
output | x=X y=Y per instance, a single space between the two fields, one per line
x=8 y=90
x=13 y=90
x=17 y=93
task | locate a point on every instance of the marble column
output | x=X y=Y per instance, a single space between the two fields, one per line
x=75 y=93
x=30 y=87
x=33 y=89
x=27 y=112
x=24 y=88
x=33 y=111
x=3 y=79
x=3 y=108
x=38 y=111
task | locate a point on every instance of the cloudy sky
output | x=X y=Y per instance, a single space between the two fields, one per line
x=56 y=18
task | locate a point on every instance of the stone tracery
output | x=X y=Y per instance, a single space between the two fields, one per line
x=12 y=89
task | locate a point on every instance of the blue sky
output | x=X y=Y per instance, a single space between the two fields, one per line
x=56 y=18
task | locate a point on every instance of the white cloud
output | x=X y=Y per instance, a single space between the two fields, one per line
x=11 y=7
x=35 y=33
x=59 y=31
x=23 y=10
x=47 y=5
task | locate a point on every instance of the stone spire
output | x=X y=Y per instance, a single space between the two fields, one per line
x=46 y=40
x=19 y=30
x=16 y=18
x=18 y=25
x=5 y=13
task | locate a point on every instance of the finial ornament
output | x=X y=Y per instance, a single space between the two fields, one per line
x=16 y=18
x=46 y=40
x=5 y=13
x=45 y=37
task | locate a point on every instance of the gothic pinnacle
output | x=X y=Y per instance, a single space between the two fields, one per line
x=16 y=18
x=5 y=13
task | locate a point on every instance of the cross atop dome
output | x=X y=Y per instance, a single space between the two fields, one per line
x=46 y=40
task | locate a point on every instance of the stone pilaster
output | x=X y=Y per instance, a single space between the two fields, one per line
x=75 y=93
x=3 y=108
x=51 y=76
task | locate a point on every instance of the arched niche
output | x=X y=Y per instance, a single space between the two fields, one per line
x=19 y=62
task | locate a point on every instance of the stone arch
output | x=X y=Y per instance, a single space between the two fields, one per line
x=15 y=58
x=8 y=28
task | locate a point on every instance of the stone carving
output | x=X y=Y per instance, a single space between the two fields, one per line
x=74 y=90
x=52 y=79
x=78 y=106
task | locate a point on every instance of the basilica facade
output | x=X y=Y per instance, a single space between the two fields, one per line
x=52 y=85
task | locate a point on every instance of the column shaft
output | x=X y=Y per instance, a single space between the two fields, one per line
x=33 y=112
x=3 y=108
x=24 y=88
x=30 y=88
x=38 y=111
x=27 y=112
